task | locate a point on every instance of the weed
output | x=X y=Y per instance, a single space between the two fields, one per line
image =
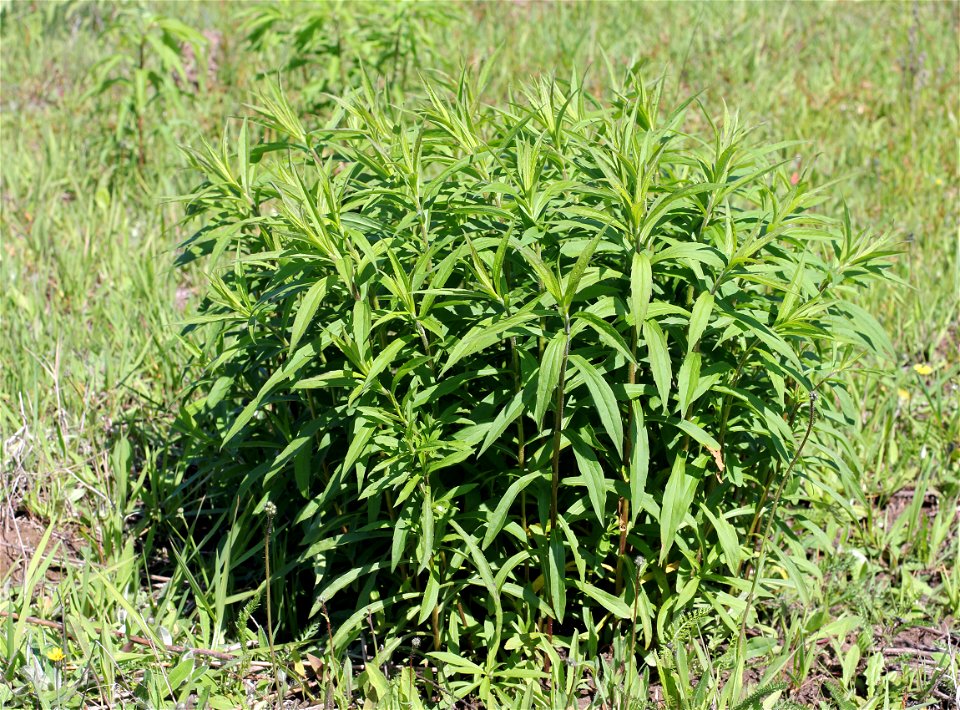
x=416 y=310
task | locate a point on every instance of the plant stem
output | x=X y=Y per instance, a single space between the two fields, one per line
x=555 y=477
x=141 y=150
x=271 y=511
x=623 y=507
x=557 y=427
x=741 y=643
x=521 y=448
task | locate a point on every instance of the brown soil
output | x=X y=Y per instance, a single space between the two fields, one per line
x=20 y=538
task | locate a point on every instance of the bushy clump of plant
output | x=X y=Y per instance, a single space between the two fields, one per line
x=148 y=73
x=510 y=373
x=324 y=47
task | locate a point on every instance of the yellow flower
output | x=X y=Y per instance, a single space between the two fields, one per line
x=938 y=182
x=56 y=654
x=903 y=394
x=922 y=369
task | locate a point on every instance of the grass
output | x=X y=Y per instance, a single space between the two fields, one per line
x=93 y=363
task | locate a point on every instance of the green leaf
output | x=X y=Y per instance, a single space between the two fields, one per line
x=543 y=272
x=603 y=399
x=348 y=628
x=639 y=459
x=485 y=336
x=687 y=381
x=695 y=431
x=574 y=544
x=677 y=498
x=301 y=471
x=612 y=604
x=663 y=203
x=498 y=517
x=659 y=358
x=502 y=421
x=607 y=333
x=699 y=318
x=641 y=288
x=426 y=530
x=727 y=535
x=430 y=596
x=592 y=473
x=458 y=662
x=398 y=544
x=549 y=375
x=576 y=273
x=479 y=561
x=290 y=368
x=362 y=432
x=556 y=574
x=486 y=576
x=690 y=252
x=380 y=363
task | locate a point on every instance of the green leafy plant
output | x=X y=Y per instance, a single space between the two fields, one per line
x=325 y=47
x=479 y=357
x=146 y=69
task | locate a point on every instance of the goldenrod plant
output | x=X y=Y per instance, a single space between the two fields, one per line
x=480 y=357
x=390 y=265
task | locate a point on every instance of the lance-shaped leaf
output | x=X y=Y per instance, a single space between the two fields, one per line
x=699 y=317
x=607 y=333
x=379 y=364
x=556 y=574
x=502 y=421
x=659 y=357
x=576 y=273
x=639 y=459
x=603 y=399
x=548 y=374
x=543 y=272
x=613 y=605
x=687 y=380
x=289 y=369
x=426 y=530
x=677 y=497
x=485 y=336
x=641 y=288
x=498 y=517
x=592 y=473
